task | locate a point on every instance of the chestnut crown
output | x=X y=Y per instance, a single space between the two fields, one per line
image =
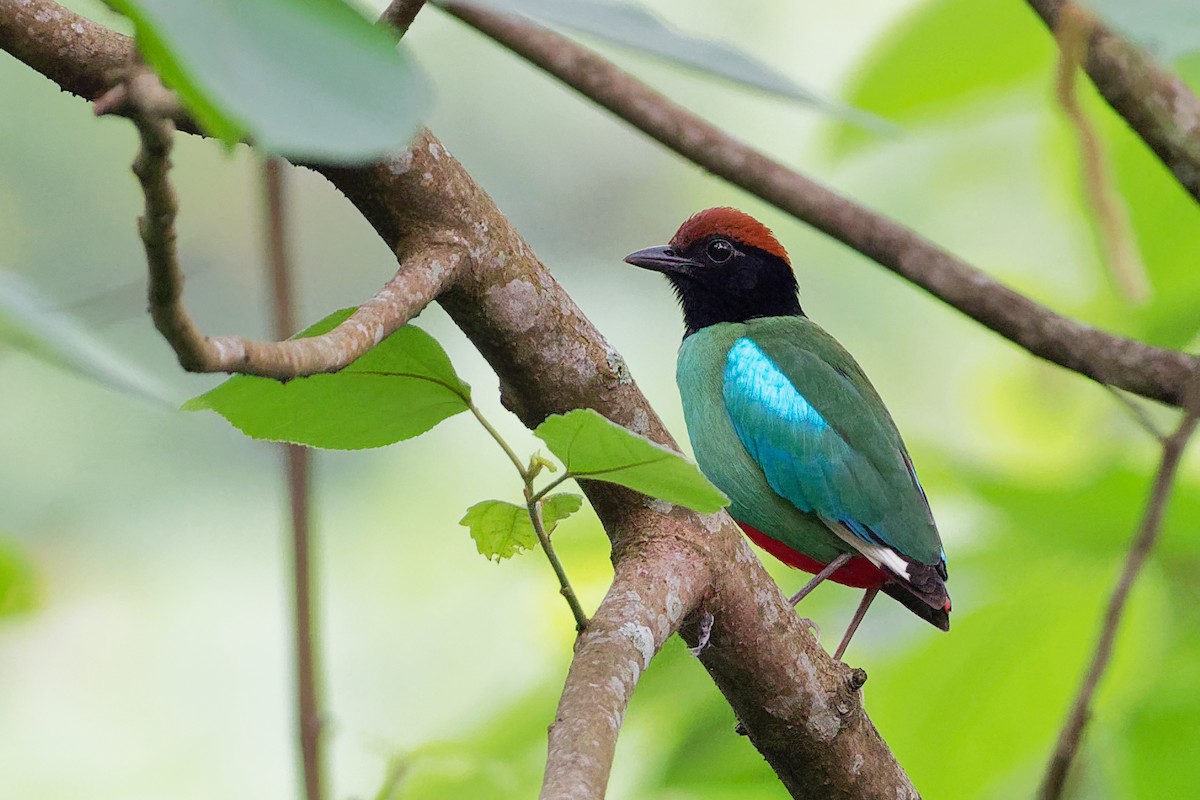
x=725 y=266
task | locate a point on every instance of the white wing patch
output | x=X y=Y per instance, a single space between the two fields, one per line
x=880 y=556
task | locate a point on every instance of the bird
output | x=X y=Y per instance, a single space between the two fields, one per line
x=784 y=421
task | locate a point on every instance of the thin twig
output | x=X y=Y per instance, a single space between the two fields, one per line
x=279 y=261
x=552 y=485
x=534 y=509
x=310 y=721
x=419 y=280
x=504 y=445
x=1113 y=227
x=1138 y=412
x=394 y=774
x=309 y=717
x=399 y=15
x=1143 y=543
x=1135 y=366
x=565 y=588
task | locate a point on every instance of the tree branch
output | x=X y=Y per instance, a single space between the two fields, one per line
x=651 y=593
x=1143 y=543
x=1158 y=106
x=80 y=55
x=399 y=15
x=1115 y=360
x=420 y=279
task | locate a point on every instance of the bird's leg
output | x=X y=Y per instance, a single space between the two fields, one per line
x=858 y=617
x=830 y=568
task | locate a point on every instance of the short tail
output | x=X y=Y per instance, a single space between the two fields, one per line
x=924 y=593
x=938 y=617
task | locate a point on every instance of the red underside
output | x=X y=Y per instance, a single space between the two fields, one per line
x=858 y=571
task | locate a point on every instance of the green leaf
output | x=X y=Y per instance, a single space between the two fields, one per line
x=310 y=79
x=631 y=26
x=18 y=582
x=595 y=448
x=943 y=57
x=500 y=529
x=401 y=388
x=29 y=323
x=558 y=507
x=1169 y=29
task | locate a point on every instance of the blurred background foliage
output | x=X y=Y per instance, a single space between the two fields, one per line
x=144 y=642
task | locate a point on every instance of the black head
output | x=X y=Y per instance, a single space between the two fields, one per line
x=725 y=266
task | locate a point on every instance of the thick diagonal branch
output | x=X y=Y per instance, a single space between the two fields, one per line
x=550 y=359
x=1158 y=106
x=1115 y=360
x=800 y=708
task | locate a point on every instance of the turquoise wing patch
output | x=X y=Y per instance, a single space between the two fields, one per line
x=802 y=456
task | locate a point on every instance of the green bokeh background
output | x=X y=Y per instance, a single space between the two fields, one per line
x=144 y=651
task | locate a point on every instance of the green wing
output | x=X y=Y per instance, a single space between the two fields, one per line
x=810 y=419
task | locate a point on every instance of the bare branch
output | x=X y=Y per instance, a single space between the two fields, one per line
x=800 y=708
x=1157 y=104
x=298 y=477
x=1138 y=413
x=1139 y=368
x=1143 y=543
x=81 y=56
x=278 y=253
x=418 y=282
x=399 y=15
x=651 y=593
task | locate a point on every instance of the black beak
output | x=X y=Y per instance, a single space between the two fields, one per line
x=661 y=259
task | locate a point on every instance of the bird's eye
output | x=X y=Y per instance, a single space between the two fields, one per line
x=719 y=251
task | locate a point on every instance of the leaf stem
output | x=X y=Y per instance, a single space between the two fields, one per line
x=566 y=476
x=535 y=516
x=532 y=505
x=495 y=434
